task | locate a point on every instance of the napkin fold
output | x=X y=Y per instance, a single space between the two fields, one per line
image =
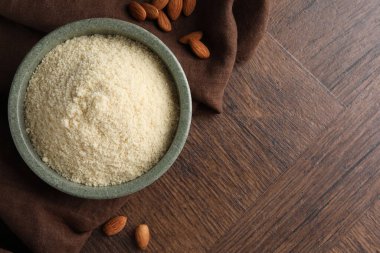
x=45 y=219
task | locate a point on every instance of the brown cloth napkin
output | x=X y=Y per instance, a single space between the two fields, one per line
x=45 y=219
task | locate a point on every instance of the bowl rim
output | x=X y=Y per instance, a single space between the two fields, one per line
x=33 y=59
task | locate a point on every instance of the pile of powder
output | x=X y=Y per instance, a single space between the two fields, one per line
x=101 y=110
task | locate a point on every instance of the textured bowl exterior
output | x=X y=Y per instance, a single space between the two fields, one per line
x=29 y=64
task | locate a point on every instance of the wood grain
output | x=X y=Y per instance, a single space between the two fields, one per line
x=325 y=190
x=364 y=235
x=292 y=165
x=275 y=109
x=285 y=169
x=338 y=41
x=262 y=89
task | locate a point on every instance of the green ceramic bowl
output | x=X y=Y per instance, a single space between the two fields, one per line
x=34 y=57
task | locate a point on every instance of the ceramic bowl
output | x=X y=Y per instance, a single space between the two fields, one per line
x=29 y=64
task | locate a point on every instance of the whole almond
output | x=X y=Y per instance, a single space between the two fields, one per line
x=137 y=11
x=174 y=9
x=142 y=236
x=160 y=4
x=199 y=49
x=191 y=36
x=164 y=22
x=151 y=11
x=114 y=225
x=188 y=7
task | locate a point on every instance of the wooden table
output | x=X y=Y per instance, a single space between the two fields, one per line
x=293 y=163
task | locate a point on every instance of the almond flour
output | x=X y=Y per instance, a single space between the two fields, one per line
x=101 y=110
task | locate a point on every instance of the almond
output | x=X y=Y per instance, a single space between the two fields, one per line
x=137 y=11
x=188 y=7
x=199 y=49
x=142 y=236
x=160 y=4
x=164 y=22
x=191 y=36
x=174 y=9
x=151 y=11
x=114 y=225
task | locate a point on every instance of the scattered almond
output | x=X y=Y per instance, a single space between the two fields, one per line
x=142 y=236
x=114 y=225
x=174 y=9
x=137 y=11
x=151 y=11
x=188 y=7
x=191 y=36
x=199 y=49
x=164 y=22
x=160 y=4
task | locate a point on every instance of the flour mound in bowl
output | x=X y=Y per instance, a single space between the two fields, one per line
x=101 y=110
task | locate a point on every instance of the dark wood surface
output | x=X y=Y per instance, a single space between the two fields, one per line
x=337 y=41
x=231 y=159
x=293 y=164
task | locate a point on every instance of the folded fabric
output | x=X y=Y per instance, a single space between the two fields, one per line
x=45 y=219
